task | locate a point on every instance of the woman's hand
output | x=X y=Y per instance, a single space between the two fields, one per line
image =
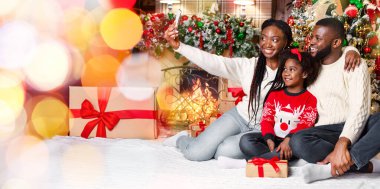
x=171 y=36
x=284 y=149
x=270 y=144
x=353 y=60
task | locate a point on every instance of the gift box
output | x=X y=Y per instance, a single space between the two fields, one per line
x=197 y=129
x=114 y=112
x=273 y=168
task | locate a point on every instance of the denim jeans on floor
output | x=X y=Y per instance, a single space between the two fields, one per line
x=221 y=138
x=314 y=144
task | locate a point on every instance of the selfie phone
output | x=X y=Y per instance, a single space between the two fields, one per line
x=177 y=16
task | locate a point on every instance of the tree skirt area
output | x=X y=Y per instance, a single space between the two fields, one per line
x=74 y=162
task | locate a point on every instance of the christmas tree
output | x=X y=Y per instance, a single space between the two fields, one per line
x=361 y=20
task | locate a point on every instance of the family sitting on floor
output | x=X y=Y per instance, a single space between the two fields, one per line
x=313 y=106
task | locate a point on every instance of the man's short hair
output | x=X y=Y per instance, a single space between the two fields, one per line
x=335 y=25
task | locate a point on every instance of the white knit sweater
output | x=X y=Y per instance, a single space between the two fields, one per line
x=240 y=70
x=343 y=97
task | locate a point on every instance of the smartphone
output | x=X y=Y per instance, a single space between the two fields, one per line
x=177 y=17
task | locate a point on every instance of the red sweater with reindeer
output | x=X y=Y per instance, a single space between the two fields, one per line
x=285 y=113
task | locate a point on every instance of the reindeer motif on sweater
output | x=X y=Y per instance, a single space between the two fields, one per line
x=286 y=113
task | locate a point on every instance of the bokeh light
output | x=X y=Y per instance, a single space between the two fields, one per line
x=121 y=29
x=45 y=15
x=77 y=64
x=17 y=39
x=27 y=157
x=70 y=4
x=100 y=71
x=79 y=26
x=8 y=7
x=48 y=67
x=139 y=69
x=49 y=117
x=12 y=97
x=13 y=128
x=83 y=171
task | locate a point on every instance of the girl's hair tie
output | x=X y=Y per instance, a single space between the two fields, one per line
x=296 y=52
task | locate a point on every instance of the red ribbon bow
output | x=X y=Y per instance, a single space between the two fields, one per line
x=202 y=126
x=106 y=119
x=237 y=93
x=296 y=52
x=261 y=161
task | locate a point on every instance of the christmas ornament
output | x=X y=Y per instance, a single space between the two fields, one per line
x=241 y=24
x=291 y=21
x=351 y=11
x=185 y=17
x=367 y=50
x=146 y=18
x=345 y=43
x=241 y=36
x=372 y=39
x=194 y=17
x=216 y=23
x=200 y=24
x=171 y=16
x=295 y=44
x=218 y=30
x=190 y=29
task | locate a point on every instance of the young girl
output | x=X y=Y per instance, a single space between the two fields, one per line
x=288 y=108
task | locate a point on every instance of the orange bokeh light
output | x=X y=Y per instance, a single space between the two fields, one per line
x=100 y=71
x=121 y=29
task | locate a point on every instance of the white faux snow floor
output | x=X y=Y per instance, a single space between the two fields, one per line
x=73 y=162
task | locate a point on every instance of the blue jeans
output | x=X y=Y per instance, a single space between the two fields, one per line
x=221 y=138
x=314 y=144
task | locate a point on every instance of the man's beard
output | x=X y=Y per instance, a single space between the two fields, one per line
x=323 y=53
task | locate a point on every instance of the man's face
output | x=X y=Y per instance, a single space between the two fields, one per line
x=321 y=42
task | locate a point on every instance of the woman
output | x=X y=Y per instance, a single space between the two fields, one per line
x=222 y=137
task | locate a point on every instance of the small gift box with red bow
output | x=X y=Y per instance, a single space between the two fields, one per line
x=273 y=168
x=113 y=112
x=196 y=129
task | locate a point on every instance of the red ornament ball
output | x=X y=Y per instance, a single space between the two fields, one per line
x=291 y=21
x=185 y=17
x=194 y=17
x=151 y=31
x=190 y=29
x=216 y=23
x=367 y=50
x=351 y=11
x=373 y=41
x=241 y=24
x=145 y=33
x=218 y=30
x=199 y=19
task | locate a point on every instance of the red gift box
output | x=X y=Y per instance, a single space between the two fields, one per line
x=113 y=112
x=273 y=168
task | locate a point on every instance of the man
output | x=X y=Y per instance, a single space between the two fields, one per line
x=345 y=136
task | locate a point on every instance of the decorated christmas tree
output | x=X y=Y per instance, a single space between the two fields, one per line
x=361 y=20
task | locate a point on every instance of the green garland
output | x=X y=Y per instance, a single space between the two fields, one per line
x=214 y=34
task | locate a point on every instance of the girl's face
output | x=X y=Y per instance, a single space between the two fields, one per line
x=293 y=75
x=272 y=41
